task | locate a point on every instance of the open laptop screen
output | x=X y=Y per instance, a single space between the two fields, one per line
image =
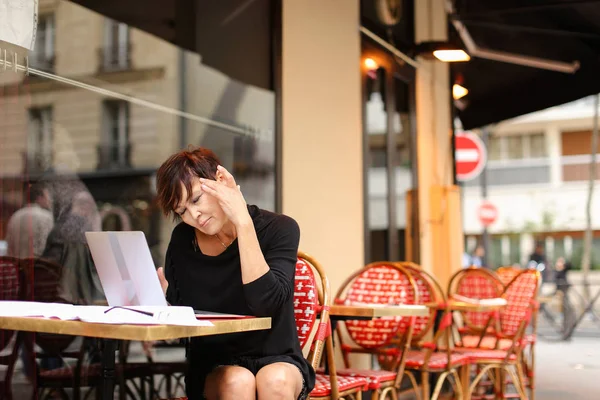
x=125 y=268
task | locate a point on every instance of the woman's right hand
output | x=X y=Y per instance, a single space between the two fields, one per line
x=163 y=281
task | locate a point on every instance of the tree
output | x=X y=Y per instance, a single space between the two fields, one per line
x=588 y=235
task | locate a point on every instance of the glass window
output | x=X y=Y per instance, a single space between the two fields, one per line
x=106 y=139
x=43 y=52
x=559 y=248
x=514 y=148
x=537 y=146
x=39 y=151
x=115 y=150
x=495 y=148
x=515 y=249
x=495 y=258
x=116 y=46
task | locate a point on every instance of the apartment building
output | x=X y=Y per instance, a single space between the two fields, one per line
x=538 y=171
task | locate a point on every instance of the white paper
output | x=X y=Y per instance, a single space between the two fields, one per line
x=18 y=22
x=170 y=315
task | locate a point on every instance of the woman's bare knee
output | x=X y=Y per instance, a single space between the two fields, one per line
x=230 y=382
x=279 y=381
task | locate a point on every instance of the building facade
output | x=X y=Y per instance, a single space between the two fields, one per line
x=538 y=176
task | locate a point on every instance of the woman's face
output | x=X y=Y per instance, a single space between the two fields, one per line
x=201 y=210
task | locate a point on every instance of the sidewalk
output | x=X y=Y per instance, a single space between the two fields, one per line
x=568 y=370
x=564 y=370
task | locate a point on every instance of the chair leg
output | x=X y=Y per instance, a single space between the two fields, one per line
x=382 y=394
x=517 y=381
x=457 y=386
x=479 y=376
x=502 y=386
x=464 y=380
x=426 y=390
x=531 y=372
x=413 y=382
x=377 y=394
x=438 y=385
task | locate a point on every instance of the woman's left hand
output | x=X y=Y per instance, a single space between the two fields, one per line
x=229 y=196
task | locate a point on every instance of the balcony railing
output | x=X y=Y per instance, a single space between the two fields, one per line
x=516 y=172
x=114 y=58
x=114 y=156
x=577 y=168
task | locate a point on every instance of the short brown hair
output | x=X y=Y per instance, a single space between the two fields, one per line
x=183 y=167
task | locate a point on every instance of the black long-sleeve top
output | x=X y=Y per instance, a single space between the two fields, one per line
x=214 y=283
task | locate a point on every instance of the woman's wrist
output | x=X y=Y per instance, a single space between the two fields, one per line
x=244 y=224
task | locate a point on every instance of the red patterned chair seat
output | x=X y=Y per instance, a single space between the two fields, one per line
x=476 y=355
x=470 y=342
x=375 y=378
x=530 y=338
x=323 y=384
x=489 y=342
x=438 y=360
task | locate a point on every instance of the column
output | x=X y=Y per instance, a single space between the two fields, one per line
x=322 y=131
x=441 y=236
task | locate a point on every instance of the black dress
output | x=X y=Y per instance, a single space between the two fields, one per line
x=214 y=283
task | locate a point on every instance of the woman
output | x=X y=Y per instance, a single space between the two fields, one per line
x=226 y=256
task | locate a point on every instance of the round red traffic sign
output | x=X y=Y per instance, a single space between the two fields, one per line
x=487 y=213
x=470 y=155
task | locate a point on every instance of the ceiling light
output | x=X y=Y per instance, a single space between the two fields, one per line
x=459 y=91
x=371 y=64
x=455 y=55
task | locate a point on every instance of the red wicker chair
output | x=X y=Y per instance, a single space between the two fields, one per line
x=310 y=275
x=311 y=307
x=434 y=356
x=379 y=283
x=43 y=280
x=11 y=289
x=474 y=283
x=400 y=283
x=507 y=274
x=513 y=320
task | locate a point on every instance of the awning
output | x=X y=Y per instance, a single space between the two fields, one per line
x=564 y=31
x=232 y=36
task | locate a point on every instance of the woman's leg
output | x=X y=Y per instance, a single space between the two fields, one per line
x=230 y=382
x=279 y=381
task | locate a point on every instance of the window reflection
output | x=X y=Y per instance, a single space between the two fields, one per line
x=143 y=100
x=43 y=54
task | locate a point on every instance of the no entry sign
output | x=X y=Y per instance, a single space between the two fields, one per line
x=487 y=213
x=470 y=155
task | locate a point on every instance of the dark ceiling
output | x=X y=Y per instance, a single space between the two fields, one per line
x=561 y=30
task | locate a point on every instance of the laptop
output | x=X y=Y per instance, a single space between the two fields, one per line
x=125 y=268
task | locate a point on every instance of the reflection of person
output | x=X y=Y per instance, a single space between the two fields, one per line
x=229 y=257
x=561 y=268
x=538 y=254
x=29 y=227
x=475 y=260
x=68 y=248
x=538 y=257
